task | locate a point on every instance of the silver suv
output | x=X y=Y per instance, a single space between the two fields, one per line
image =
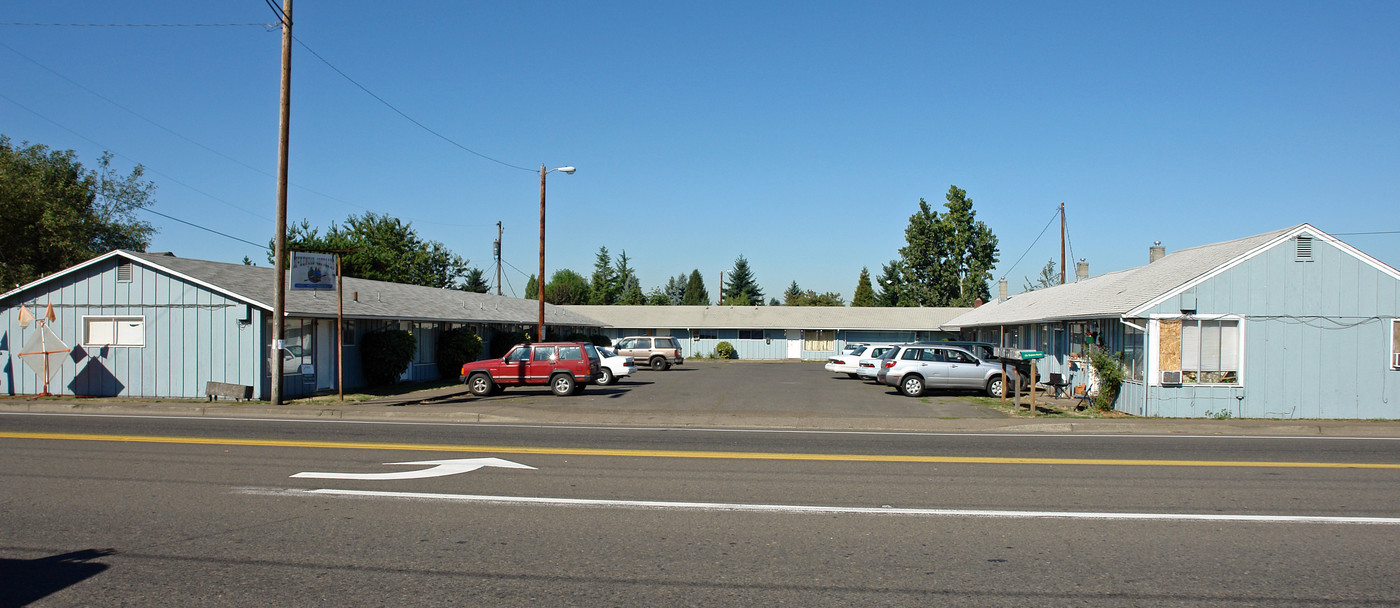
x=658 y=352
x=914 y=367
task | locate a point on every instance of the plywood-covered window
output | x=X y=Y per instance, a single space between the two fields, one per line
x=818 y=339
x=114 y=331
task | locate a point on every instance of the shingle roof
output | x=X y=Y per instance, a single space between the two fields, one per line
x=770 y=317
x=1115 y=293
x=376 y=299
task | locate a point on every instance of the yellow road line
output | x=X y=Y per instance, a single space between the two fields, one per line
x=498 y=449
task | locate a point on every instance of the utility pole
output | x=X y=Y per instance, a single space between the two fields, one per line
x=1062 y=243
x=498 y=258
x=721 y=288
x=279 y=250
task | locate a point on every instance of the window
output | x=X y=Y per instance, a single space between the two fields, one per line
x=706 y=334
x=1395 y=344
x=750 y=334
x=426 y=334
x=1133 y=352
x=818 y=339
x=114 y=331
x=544 y=353
x=957 y=356
x=570 y=353
x=1209 y=351
x=666 y=343
x=520 y=354
x=347 y=332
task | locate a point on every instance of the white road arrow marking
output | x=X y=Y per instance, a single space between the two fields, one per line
x=440 y=468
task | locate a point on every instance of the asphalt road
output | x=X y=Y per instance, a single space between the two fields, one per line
x=175 y=512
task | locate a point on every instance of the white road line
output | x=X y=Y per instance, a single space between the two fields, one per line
x=813 y=509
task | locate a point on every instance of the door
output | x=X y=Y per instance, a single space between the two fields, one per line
x=963 y=370
x=542 y=363
x=324 y=355
x=794 y=344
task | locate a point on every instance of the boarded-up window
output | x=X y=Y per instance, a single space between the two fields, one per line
x=114 y=331
x=1169 y=354
x=818 y=339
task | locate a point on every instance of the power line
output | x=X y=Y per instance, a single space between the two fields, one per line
x=137 y=24
x=264 y=247
x=401 y=112
x=1037 y=240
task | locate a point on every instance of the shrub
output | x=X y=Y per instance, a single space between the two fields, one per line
x=455 y=348
x=502 y=342
x=1111 y=376
x=385 y=355
x=725 y=350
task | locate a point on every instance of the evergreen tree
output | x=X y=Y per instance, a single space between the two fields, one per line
x=603 y=289
x=891 y=284
x=675 y=289
x=658 y=297
x=741 y=290
x=865 y=294
x=774 y=302
x=475 y=281
x=695 y=293
x=532 y=288
x=624 y=276
x=793 y=295
x=812 y=298
x=631 y=293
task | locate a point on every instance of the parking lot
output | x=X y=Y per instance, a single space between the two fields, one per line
x=781 y=389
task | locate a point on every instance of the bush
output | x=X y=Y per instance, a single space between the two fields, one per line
x=725 y=350
x=502 y=342
x=385 y=355
x=1111 y=376
x=455 y=348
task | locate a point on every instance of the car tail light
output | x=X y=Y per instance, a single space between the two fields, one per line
x=890 y=363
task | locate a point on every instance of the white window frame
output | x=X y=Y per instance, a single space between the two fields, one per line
x=112 y=333
x=1154 y=343
x=1395 y=344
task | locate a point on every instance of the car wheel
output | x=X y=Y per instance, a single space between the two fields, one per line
x=996 y=386
x=659 y=364
x=606 y=377
x=481 y=385
x=912 y=385
x=562 y=384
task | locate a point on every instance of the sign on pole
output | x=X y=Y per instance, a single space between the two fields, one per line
x=313 y=271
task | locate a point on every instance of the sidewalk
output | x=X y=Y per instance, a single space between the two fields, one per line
x=453 y=404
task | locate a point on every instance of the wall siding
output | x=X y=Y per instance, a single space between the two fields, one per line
x=192 y=336
x=1316 y=339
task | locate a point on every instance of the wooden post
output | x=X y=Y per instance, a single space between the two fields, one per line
x=1004 y=387
x=1034 y=377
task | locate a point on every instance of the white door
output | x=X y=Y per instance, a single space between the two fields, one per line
x=794 y=344
x=325 y=354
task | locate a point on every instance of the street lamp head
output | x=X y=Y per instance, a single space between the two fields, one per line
x=569 y=170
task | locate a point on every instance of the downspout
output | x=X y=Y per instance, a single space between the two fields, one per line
x=1146 y=377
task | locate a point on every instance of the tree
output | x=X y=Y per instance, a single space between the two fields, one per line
x=741 y=290
x=947 y=259
x=793 y=295
x=658 y=297
x=57 y=214
x=695 y=293
x=675 y=289
x=865 y=294
x=891 y=283
x=382 y=248
x=1048 y=278
x=603 y=288
x=475 y=281
x=566 y=287
x=532 y=288
x=629 y=288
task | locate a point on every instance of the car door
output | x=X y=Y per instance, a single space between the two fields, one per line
x=514 y=365
x=543 y=359
x=963 y=370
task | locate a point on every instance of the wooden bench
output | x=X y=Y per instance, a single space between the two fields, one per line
x=214 y=390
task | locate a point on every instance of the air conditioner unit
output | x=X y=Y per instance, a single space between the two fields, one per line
x=1171 y=377
x=1395 y=361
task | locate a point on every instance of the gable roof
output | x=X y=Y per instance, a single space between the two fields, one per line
x=770 y=317
x=1122 y=293
x=363 y=298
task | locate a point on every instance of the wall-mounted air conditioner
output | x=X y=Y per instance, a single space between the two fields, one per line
x=1171 y=377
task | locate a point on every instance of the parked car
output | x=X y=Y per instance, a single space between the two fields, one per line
x=849 y=363
x=983 y=350
x=658 y=352
x=912 y=368
x=614 y=366
x=565 y=367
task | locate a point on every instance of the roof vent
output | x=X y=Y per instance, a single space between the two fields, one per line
x=124 y=272
x=1304 y=243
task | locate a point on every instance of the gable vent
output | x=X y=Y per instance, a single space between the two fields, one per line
x=1304 y=248
x=124 y=272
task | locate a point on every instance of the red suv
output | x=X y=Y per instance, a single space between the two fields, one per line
x=566 y=367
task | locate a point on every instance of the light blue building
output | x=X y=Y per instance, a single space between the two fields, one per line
x=1289 y=324
x=155 y=325
x=773 y=332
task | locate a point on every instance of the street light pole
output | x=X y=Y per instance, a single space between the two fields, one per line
x=539 y=336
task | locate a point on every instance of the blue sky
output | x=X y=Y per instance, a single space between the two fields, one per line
x=799 y=134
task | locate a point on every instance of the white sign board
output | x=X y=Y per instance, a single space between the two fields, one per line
x=313 y=271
